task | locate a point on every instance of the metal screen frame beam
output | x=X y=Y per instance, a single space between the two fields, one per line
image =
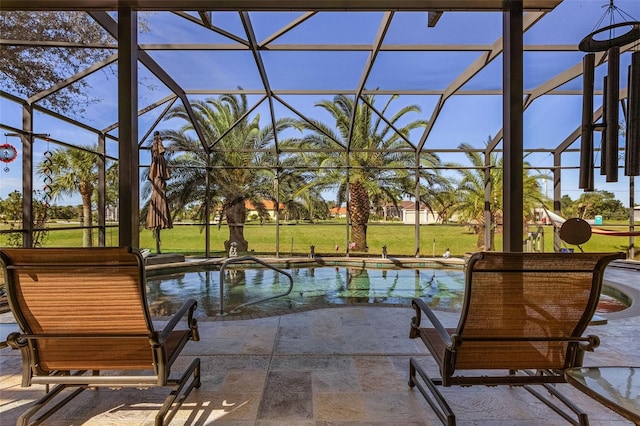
x=513 y=136
x=279 y=5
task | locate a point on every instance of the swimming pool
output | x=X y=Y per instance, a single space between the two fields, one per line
x=313 y=287
x=316 y=287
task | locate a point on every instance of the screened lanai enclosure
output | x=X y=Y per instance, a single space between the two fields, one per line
x=343 y=114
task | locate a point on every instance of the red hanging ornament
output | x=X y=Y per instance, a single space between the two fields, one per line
x=8 y=153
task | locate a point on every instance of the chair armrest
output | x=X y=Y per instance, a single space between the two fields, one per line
x=594 y=342
x=15 y=341
x=188 y=308
x=421 y=307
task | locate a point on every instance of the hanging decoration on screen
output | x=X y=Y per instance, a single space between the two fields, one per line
x=599 y=43
x=8 y=153
x=48 y=180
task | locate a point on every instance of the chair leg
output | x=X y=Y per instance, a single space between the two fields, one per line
x=438 y=404
x=179 y=392
x=583 y=419
x=40 y=404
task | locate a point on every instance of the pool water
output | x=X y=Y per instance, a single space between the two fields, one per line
x=314 y=287
x=442 y=289
x=608 y=304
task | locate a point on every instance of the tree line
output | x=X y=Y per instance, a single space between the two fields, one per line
x=242 y=168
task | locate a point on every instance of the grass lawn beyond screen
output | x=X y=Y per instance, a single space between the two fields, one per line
x=296 y=239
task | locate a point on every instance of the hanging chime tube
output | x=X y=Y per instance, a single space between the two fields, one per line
x=612 y=127
x=603 y=133
x=586 y=147
x=632 y=151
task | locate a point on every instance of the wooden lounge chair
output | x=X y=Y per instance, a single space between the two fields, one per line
x=522 y=323
x=85 y=309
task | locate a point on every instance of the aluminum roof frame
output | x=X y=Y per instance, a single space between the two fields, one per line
x=256 y=47
x=279 y=5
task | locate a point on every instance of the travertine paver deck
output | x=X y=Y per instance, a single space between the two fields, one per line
x=334 y=366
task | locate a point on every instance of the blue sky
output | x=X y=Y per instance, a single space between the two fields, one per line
x=465 y=118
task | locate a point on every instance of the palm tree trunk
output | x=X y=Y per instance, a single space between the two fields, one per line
x=480 y=245
x=480 y=240
x=358 y=286
x=359 y=215
x=87 y=235
x=236 y=216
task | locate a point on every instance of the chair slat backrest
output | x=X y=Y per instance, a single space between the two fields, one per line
x=88 y=292
x=529 y=296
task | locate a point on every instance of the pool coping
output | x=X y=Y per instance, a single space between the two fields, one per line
x=302 y=262
x=616 y=289
x=624 y=290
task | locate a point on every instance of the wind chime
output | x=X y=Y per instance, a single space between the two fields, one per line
x=48 y=180
x=8 y=152
x=593 y=44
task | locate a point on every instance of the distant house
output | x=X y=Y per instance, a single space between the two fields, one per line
x=111 y=214
x=338 y=212
x=392 y=211
x=636 y=214
x=406 y=211
x=270 y=206
x=426 y=216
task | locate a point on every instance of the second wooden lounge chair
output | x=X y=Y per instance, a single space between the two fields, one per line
x=85 y=309
x=522 y=323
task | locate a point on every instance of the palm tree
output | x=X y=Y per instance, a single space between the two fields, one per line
x=298 y=191
x=471 y=206
x=442 y=200
x=74 y=171
x=378 y=158
x=241 y=168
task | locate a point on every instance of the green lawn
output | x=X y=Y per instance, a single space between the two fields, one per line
x=297 y=238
